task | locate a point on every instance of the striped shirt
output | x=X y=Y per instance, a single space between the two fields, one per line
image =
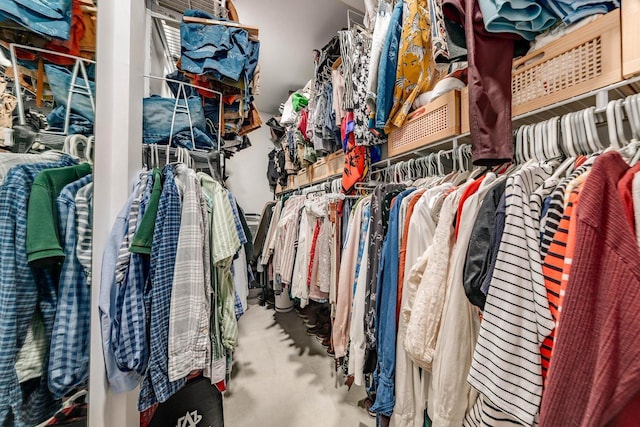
x=122 y=264
x=549 y=224
x=486 y=414
x=556 y=266
x=506 y=365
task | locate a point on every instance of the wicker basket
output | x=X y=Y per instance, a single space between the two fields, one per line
x=335 y=162
x=320 y=169
x=291 y=181
x=464 y=110
x=303 y=177
x=587 y=59
x=435 y=121
x=630 y=38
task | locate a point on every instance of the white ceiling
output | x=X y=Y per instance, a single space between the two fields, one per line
x=289 y=31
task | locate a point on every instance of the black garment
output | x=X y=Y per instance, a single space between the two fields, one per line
x=380 y=208
x=261 y=234
x=480 y=246
x=248 y=247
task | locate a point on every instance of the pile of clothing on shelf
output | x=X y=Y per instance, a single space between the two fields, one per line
x=60 y=27
x=216 y=57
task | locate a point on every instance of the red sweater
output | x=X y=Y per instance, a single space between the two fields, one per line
x=595 y=371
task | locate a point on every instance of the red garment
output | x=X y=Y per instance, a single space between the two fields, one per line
x=355 y=158
x=490 y=62
x=312 y=255
x=71 y=46
x=403 y=249
x=468 y=192
x=625 y=188
x=595 y=370
x=302 y=125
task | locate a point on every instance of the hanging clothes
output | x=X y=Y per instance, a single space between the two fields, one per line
x=416 y=72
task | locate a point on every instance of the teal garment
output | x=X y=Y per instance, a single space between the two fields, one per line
x=523 y=17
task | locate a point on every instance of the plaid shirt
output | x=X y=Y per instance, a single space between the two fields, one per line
x=128 y=332
x=84 y=210
x=156 y=386
x=69 y=351
x=189 y=343
x=18 y=292
x=119 y=380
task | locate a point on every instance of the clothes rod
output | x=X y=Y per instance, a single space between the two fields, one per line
x=185 y=84
x=51 y=52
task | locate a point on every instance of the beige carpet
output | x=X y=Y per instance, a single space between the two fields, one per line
x=284 y=378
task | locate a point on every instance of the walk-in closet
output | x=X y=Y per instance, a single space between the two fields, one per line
x=337 y=213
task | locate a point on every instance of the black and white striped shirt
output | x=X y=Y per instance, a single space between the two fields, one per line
x=506 y=363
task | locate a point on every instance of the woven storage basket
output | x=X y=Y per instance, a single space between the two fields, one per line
x=320 y=169
x=435 y=121
x=303 y=177
x=335 y=162
x=589 y=58
x=464 y=110
x=630 y=38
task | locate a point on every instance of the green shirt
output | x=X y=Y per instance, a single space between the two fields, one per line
x=43 y=235
x=144 y=236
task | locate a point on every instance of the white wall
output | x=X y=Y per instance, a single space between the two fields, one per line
x=247 y=171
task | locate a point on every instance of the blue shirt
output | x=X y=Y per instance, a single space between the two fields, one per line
x=120 y=381
x=69 y=348
x=386 y=304
x=156 y=386
x=18 y=292
x=129 y=324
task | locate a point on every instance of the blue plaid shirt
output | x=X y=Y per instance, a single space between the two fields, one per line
x=18 y=294
x=236 y=217
x=237 y=307
x=129 y=325
x=156 y=386
x=69 y=351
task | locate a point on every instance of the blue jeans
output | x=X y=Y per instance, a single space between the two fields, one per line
x=387 y=68
x=157 y=113
x=524 y=17
x=77 y=123
x=571 y=11
x=60 y=81
x=50 y=18
x=216 y=49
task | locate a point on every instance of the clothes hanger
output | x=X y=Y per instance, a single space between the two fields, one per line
x=611 y=126
x=519 y=150
x=631 y=116
x=89 y=150
x=619 y=123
